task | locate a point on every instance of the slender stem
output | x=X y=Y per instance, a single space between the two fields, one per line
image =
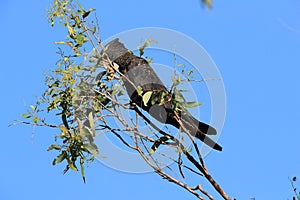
x=202 y=168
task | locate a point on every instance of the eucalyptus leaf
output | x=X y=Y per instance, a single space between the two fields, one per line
x=35 y=120
x=72 y=32
x=192 y=104
x=60 y=157
x=139 y=90
x=94 y=30
x=63 y=129
x=53 y=146
x=79 y=39
x=92 y=123
x=26 y=116
x=82 y=169
x=71 y=164
x=32 y=107
x=80 y=6
x=59 y=42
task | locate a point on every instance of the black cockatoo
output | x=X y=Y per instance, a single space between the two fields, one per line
x=139 y=74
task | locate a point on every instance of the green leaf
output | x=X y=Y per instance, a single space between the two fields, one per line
x=80 y=126
x=77 y=21
x=79 y=39
x=53 y=146
x=35 y=120
x=60 y=158
x=59 y=42
x=63 y=129
x=207 y=3
x=146 y=97
x=26 y=116
x=82 y=168
x=94 y=30
x=176 y=80
x=88 y=134
x=92 y=123
x=139 y=90
x=146 y=44
x=190 y=72
x=32 y=107
x=90 y=147
x=149 y=60
x=192 y=104
x=71 y=164
x=54 y=161
x=71 y=31
x=80 y=6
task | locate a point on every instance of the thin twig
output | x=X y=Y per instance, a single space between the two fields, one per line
x=294 y=188
x=180 y=164
x=199 y=187
x=163 y=174
x=201 y=167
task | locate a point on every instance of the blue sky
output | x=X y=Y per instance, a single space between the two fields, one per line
x=255 y=45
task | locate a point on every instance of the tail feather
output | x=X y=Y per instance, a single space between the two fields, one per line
x=209 y=142
x=200 y=130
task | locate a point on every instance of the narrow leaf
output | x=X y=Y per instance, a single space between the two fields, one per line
x=92 y=123
x=192 y=104
x=80 y=6
x=82 y=169
x=53 y=146
x=32 y=107
x=35 y=120
x=94 y=30
x=59 y=42
x=60 y=157
x=63 y=129
x=88 y=134
x=26 y=116
x=139 y=90
x=71 y=32
x=71 y=164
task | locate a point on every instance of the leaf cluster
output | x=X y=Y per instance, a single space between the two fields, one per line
x=72 y=16
x=66 y=92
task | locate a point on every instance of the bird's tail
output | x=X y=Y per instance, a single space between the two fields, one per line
x=200 y=130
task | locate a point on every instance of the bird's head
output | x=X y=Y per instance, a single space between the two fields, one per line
x=114 y=49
